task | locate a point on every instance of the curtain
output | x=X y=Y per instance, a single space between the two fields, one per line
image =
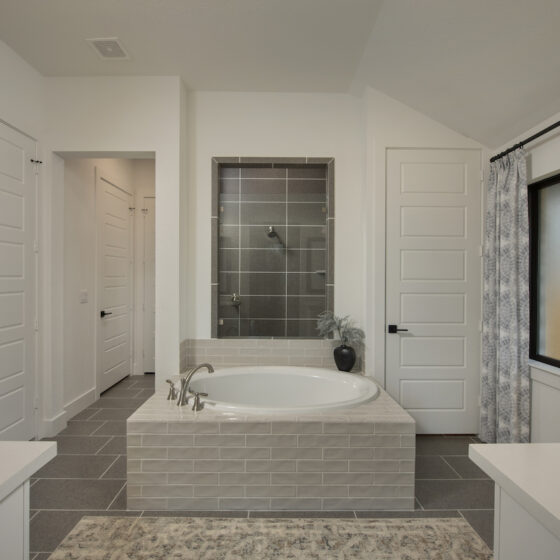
x=505 y=387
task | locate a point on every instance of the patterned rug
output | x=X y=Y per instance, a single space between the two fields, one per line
x=174 y=538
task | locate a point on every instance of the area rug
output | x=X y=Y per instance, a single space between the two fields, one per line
x=185 y=538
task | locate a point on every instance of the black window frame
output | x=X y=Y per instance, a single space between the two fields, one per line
x=533 y=199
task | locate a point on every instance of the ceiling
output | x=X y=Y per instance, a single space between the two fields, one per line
x=486 y=68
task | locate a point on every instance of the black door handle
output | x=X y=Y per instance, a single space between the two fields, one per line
x=104 y=313
x=392 y=329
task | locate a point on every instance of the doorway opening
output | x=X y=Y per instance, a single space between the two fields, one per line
x=109 y=272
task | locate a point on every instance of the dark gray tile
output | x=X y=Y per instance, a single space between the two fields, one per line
x=262 y=283
x=324 y=160
x=77 y=428
x=113 y=413
x=117 y=446
x=263 y=213
x=263 y=190
x=263 y=260
x=228 y=237
x=411 y=514
x=84 y=415
x=122 y=392
x=482 y=521
x=214 y=310
x=229 y=190
x=263 y=171
x=117 y=469
x=229 y=171
x=302 y=328
x=263 y=307
x=307 y=261
x=228 y=213
x=305 y=307
x=146 y=380
x=455 y=494
x=70 y=493
x=307 y=237
x=308 y=283
x=75 y=466
x=465 y=467
x=109 y=402
x=306 y=214
x=119 y=503
x=442 y=445
x=228 y=328
x=145 y=393
x=79 y=445
x=307 y=190
x=228 y=260
x=42 y=556
x=126 y=382
x=308 y=172
x=433 y=466
x=114 y=427
x=256 y=237
x=229 y=283
x=330 y=298
x=263 y=327
x=188 y=513
x=214 y=225
x=330 y=252
x=300 y=514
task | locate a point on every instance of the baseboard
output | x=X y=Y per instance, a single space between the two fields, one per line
x=51 y=426
x=80 y=403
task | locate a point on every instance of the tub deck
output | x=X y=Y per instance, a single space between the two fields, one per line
x=360 y=458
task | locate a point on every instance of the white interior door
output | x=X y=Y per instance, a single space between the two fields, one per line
x=114 y=286
x=18 y=202
x=434 y=286
x=149 y=351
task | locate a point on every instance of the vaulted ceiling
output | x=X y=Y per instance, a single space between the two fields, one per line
x=487 y=68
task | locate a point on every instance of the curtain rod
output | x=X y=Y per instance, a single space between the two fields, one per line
x=526 y=141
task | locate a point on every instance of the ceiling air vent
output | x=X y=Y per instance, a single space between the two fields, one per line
x=108 y=47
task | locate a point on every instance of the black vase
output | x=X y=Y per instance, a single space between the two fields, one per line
x=344 y=357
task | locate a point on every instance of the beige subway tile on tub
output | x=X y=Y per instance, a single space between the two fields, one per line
x=322 y=466
x=193 y=478
x=193 y=452
x=147 y=503
x=219 y=466
x=193 y=504
x=193 y=427
x=270 y=466
x=322 y=491
x=395 y=453
x=245 y=478
x=276 y=491
x=272 y=441
x=295 y=504
x=244 y=452
x=167 y=491
x=255 y=504
x=297 y=453
x=219 y=440
x=161 y=465
x=245 y=428
x=167 y=440
x=219 y=491
x=348 y=428
x=323 y=440
x=297 y=427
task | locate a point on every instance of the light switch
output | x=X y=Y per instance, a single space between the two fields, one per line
x=83 y=296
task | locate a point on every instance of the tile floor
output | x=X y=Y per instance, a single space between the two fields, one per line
x=88 y=476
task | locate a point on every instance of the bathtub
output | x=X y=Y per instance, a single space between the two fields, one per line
x=282 y=390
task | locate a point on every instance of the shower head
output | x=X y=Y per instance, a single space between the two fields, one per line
x=270 y=232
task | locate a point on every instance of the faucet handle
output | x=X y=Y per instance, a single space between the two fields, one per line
x=172 y=391
x=198 y=405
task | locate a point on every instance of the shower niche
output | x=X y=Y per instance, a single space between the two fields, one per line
x=272 y=245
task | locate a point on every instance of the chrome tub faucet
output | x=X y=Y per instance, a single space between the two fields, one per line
x=184 y=391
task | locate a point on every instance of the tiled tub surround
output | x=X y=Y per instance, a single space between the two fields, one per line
x=357 y=459
x=283 y=282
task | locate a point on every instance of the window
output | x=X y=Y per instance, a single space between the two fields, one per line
x=544 y=224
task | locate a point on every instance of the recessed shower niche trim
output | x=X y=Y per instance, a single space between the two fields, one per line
x=272 y=229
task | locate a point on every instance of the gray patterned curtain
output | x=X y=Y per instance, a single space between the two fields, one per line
x=505 y=390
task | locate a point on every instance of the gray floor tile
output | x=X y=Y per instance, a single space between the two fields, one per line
x=77 y=445
x=144 y=381
x=455 y=494
x=145 y=393
x=465 y=467
x=107 y=402
x=68 y=493
x=482 y=521
x=116 y=446
x=433 y=466
x=77 y=428
x=118 y=392
x=441 y=445
x=410 y=514
x=42 y=556
x=182 y=513
x=75 y=466
x=117 y=470
x=300 y=514
x=84 y=415
x=112 y=428
x=112 y=413
x=119 y=503
x=48 y=529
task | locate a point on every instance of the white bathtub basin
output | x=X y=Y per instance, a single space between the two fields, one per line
x=282 y=389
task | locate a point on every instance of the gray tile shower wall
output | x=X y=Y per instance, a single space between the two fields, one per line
x=237 y=352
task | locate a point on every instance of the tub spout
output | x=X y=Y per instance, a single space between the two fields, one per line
x=185 y=382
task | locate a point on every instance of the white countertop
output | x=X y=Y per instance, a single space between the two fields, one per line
x=19 y=460
x=529 y=473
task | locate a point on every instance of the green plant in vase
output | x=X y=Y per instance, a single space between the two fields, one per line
x=349 y=335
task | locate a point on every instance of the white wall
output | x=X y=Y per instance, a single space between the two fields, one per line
x=390 y=124
x=276 y=125
x=140 y=115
